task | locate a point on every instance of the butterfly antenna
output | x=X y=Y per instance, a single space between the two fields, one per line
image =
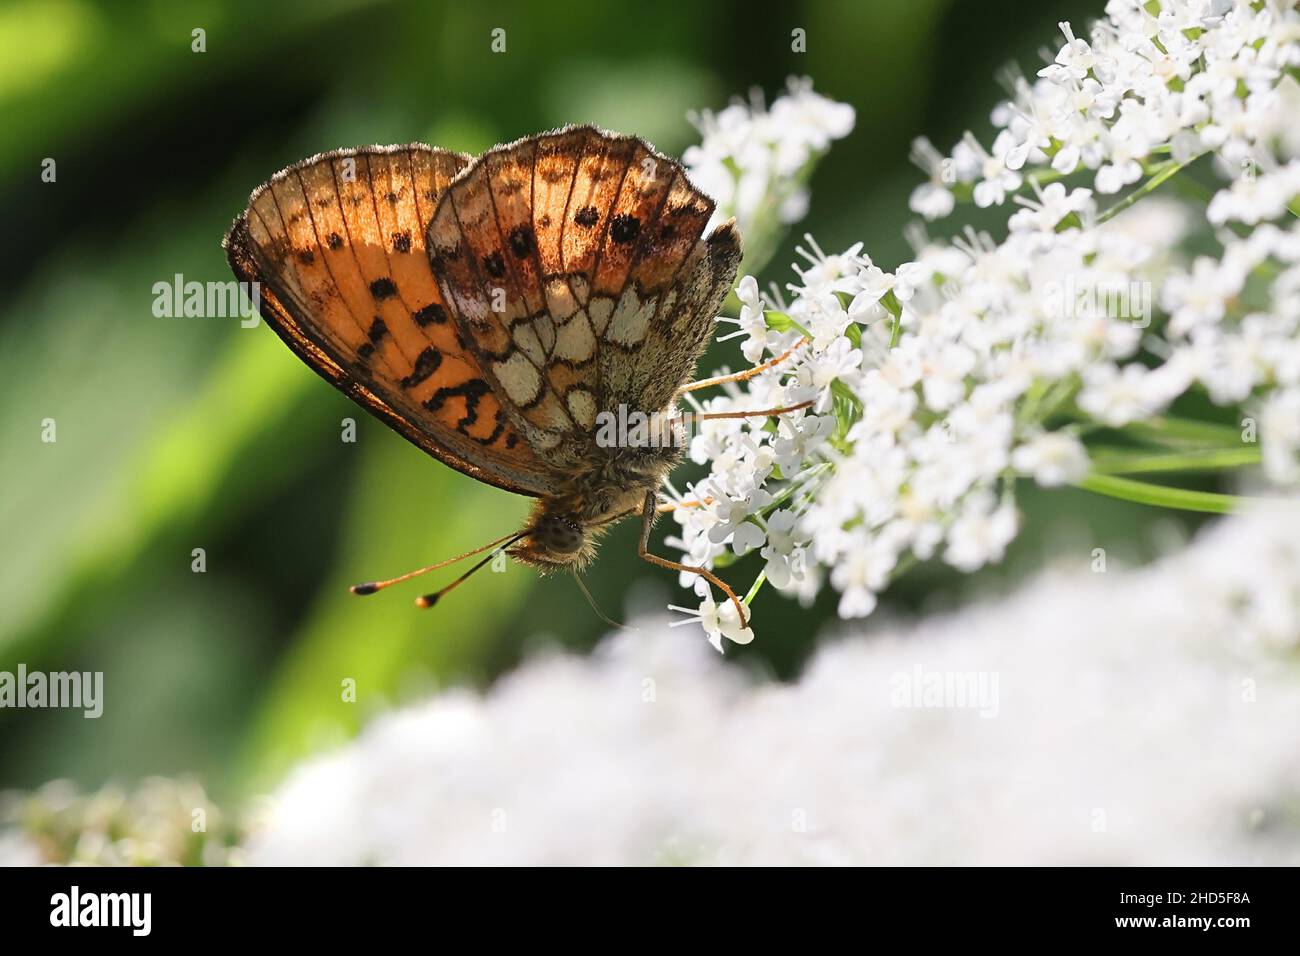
x=370 y=587
x=429 y=600
x=582 y=586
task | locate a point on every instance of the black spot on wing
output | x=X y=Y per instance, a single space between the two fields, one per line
x=425 y=365
x=383 y=288
x=471 y=391
x=401 y=242
x=496 y=432
x=521 y=241
x=624 y=229
x=587 y=216
x=431 y=314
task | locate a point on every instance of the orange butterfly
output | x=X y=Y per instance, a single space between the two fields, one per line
x=489 y=310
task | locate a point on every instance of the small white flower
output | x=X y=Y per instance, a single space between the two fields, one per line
x=1279 y=437
x=1075 y=59
x=784 y=555
x=980 y=535
x=1051 y=459
x=1199 y=298
x=798 y=439
x=1054 y=204
x=841 y=361
x=1252 y=199
x=863 y=574
x=752 y=321
x=997 y=171
x=1117 y=397
x=733 y=513
x=746 y=537
x=1122 y=171
x=933 y=199
x=718 y=620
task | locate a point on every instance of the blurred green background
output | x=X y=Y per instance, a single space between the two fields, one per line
x=176 y=434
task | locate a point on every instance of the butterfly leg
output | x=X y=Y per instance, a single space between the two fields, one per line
x=690 y=418
x=757 y=413
x=674 y=505
x=747 y=373
x=643 y=552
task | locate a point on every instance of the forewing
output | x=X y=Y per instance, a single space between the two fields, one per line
x=337 y=246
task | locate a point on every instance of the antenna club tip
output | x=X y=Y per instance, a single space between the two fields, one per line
x=370 y=587
x=426 y=600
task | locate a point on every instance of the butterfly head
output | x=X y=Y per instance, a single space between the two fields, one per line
x=555 y=540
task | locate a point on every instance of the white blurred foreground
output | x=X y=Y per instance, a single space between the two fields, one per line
x=1142 y=717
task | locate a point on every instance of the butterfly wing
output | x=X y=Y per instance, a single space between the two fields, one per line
x=572 y=262
x=337 y=246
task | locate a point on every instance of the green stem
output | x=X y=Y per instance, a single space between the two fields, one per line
x=1190 y=189
x=1161 y=173
x=1144 y=493
x=895 y=309
x=1045 y=176
x=758 y=583
x=1166 y=430
x=1058 y=395
x=790 y=490
x=1206 y=459
x=906 y=563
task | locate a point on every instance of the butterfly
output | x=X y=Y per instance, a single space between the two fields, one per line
x=489 y=310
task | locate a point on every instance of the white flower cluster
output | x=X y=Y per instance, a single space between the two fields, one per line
x=1194 y=75
x=152 y=824
x=983 y=361
x=755 y=161
x=1127 y=718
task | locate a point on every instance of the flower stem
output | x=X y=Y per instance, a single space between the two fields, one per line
x=1159 y=174
x=1205 y=459
x=1166 y=430
x=895 y=309
x=1045 y=176
x=758 y=583
x=1145 y=493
